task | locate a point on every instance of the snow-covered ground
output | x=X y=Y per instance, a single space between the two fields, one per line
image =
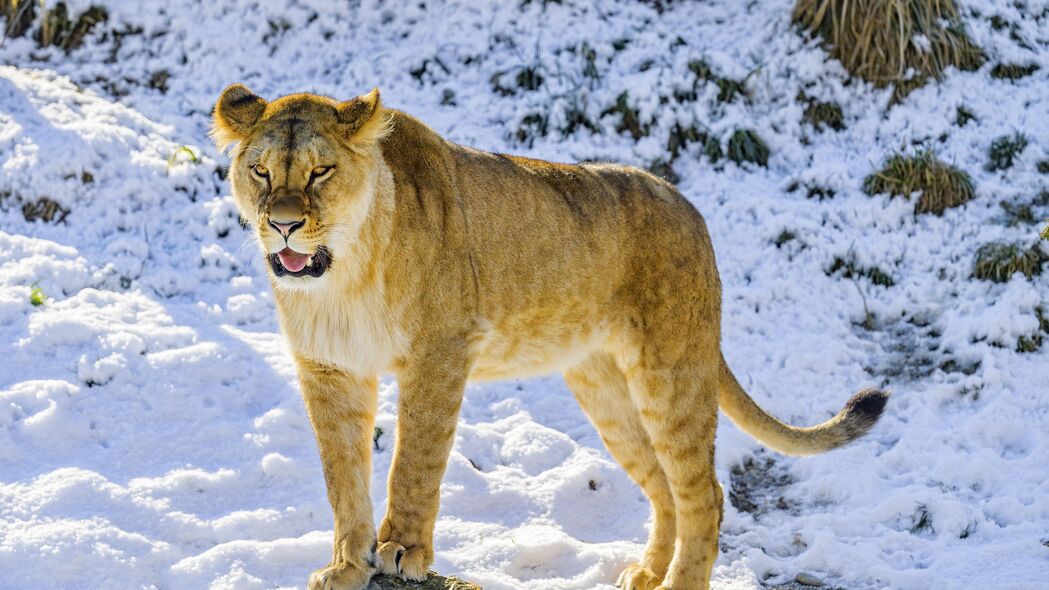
x=151 y=432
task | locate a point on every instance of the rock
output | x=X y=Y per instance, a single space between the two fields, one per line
x=808 y=580
x=432 y=582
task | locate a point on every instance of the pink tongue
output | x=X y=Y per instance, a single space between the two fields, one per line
x=292 y=260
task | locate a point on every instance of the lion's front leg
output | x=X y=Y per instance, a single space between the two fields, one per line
x=431 y=391
x=341 y=407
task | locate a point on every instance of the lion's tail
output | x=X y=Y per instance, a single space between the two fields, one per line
x=855 y=419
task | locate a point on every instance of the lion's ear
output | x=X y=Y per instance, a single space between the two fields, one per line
x=363 y=119
x=236 y=113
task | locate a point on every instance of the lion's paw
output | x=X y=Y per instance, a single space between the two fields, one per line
x=396 y=559
x=340 y=576
x=638 y=577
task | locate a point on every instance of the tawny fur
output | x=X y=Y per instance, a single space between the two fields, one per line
x=451 y=264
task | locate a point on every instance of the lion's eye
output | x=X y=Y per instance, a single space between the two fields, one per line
x=320 y=171
x=261 y=171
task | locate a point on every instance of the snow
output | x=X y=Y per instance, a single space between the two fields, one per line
x=151 y=431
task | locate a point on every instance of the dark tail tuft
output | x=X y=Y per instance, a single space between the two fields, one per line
x=862 y=411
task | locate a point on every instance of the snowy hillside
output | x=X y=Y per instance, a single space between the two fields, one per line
x=151 y=430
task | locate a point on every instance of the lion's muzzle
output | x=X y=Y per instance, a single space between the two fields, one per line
x=289 y=263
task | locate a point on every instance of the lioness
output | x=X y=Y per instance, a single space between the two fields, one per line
x=392 y=249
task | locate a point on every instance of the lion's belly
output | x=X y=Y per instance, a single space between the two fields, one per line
x=499 y=354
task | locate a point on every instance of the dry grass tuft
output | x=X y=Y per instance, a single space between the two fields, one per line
x=942 y=186
x=897 y=42
x=1004 y=71
x=822 y=114
x=998 y=262
x=46 y=210
x=18 y=16
x=57 y=27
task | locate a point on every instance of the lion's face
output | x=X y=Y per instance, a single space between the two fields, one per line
x=303 y=173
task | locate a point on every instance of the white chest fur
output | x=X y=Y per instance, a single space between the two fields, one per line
x=356 y=333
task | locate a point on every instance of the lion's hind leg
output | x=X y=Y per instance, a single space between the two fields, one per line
x=678 y=407
x=601 y=389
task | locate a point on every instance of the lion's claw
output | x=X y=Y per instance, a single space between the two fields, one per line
x=396 y=559
x=638 y=577
x=340 y=576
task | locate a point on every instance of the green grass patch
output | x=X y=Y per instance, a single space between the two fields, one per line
x=822 y=115
x=784 y=237
x=921 y=520
x=680 y=137
x=1032 y=342
x=963 y=115
x=1005 y=150
x=1018 y=213
x=527 y=78
x=589 y=57
x=812 y=191
x=849 y=269
x=180 y=153
x=629 y=121
x=1029 y=343
x=746 y=145
x=728 y=89
x=941 y=186
x=819 y=193
x=712 y=149
x=664 y=170
x=431 y=69
x=158 y=81
x=533 y=125
x=36 y=296
x=576 y=119
x=998 y=261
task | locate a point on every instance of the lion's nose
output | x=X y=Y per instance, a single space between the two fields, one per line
x=286 y=228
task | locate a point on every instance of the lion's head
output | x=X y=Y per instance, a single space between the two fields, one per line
x=303 y=173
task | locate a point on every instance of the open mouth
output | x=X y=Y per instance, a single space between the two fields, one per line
x=289 y=263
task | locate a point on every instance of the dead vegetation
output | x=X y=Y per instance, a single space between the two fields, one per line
x=432 y=582
x=55 y=26
x=42 y=209
x=758 y=485
x=902 y=43
x=821 y=114
x=998 y=261
x=942 y=186
x=1010 y=71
